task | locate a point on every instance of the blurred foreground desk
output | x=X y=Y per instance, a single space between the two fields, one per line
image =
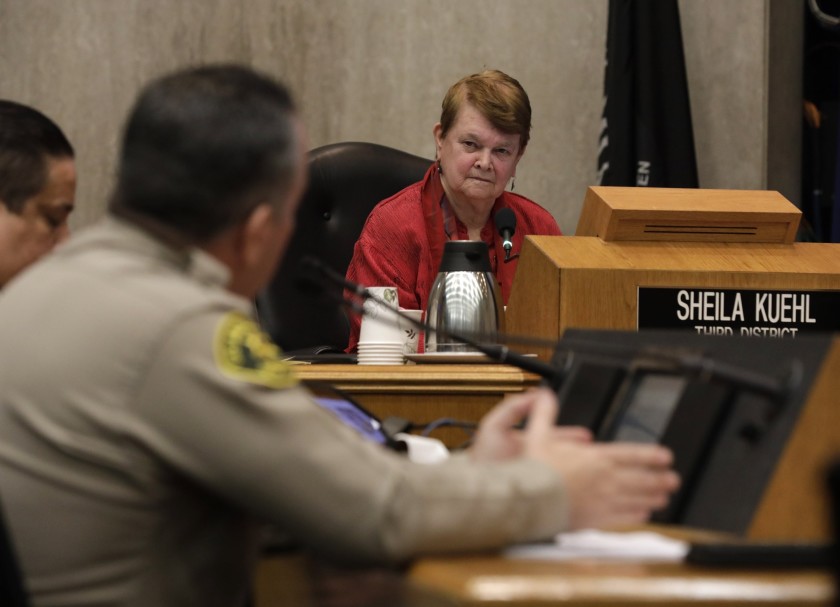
x=425 y=392
x=484 y=581
x=489 y=580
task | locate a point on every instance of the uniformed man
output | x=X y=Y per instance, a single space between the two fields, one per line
x=147 y=425
x=37 y=187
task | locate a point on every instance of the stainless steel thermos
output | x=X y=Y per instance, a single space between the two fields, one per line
x=464 y=298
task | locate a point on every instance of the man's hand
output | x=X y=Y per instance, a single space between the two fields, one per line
x=498 y=437
x=606 y=483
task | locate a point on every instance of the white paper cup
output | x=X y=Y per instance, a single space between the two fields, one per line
x=387 y=295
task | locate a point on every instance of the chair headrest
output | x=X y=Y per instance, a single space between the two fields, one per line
x=346 y=180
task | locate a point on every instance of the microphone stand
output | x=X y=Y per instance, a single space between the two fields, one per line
x=685 y=362
x=497 y=352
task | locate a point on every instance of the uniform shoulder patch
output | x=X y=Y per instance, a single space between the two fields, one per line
x=243 y=351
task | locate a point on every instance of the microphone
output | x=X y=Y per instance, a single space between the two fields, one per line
x=320 y=275
x=693 y=363
x=314 y=273
x=506 y=225
x=312 y=278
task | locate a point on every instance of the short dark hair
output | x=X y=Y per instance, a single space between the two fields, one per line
x=27 y=139
x=202 y=146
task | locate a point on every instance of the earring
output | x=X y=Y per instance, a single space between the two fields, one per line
x=512 y=183
x=440 y=169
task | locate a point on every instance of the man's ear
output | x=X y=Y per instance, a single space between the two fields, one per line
x=256 y=234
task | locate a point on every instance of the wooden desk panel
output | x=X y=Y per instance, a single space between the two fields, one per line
x=483 y=581
x=584 y=282
x=687 y=214
x=425 y=392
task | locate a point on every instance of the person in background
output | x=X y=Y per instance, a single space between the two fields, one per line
x=149 y=428
x=37 y=187
x=484 y=128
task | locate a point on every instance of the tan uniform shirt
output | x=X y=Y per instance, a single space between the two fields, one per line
x=146 y=426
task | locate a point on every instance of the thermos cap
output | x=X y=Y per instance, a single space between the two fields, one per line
x=465 y=256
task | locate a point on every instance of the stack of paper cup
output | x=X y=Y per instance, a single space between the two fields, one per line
x=381 y=339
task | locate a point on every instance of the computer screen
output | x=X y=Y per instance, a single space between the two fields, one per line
x=648 y=408
x=351 y=415
x=348 y=410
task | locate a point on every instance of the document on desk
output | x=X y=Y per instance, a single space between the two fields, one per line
x=592 y=544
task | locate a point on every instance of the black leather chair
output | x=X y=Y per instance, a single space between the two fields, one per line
x=346 y=180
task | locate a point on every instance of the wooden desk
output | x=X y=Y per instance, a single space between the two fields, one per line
x=490 y=580
x=425 y=392
x=486 y=580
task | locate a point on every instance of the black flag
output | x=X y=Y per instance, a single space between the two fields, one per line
x=646 y=137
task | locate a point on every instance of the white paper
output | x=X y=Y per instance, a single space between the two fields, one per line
x=604 y=545
x=424 y=449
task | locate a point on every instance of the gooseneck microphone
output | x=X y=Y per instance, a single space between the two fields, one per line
x=315 y=275
x=318 y=277
x=506 y=225
x=318 y=274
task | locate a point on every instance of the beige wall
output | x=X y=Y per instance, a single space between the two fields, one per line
x=376 y=70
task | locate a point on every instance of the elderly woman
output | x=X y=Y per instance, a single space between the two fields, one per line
x=484 y=128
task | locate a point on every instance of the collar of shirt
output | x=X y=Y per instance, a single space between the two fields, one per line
x=194 y=262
